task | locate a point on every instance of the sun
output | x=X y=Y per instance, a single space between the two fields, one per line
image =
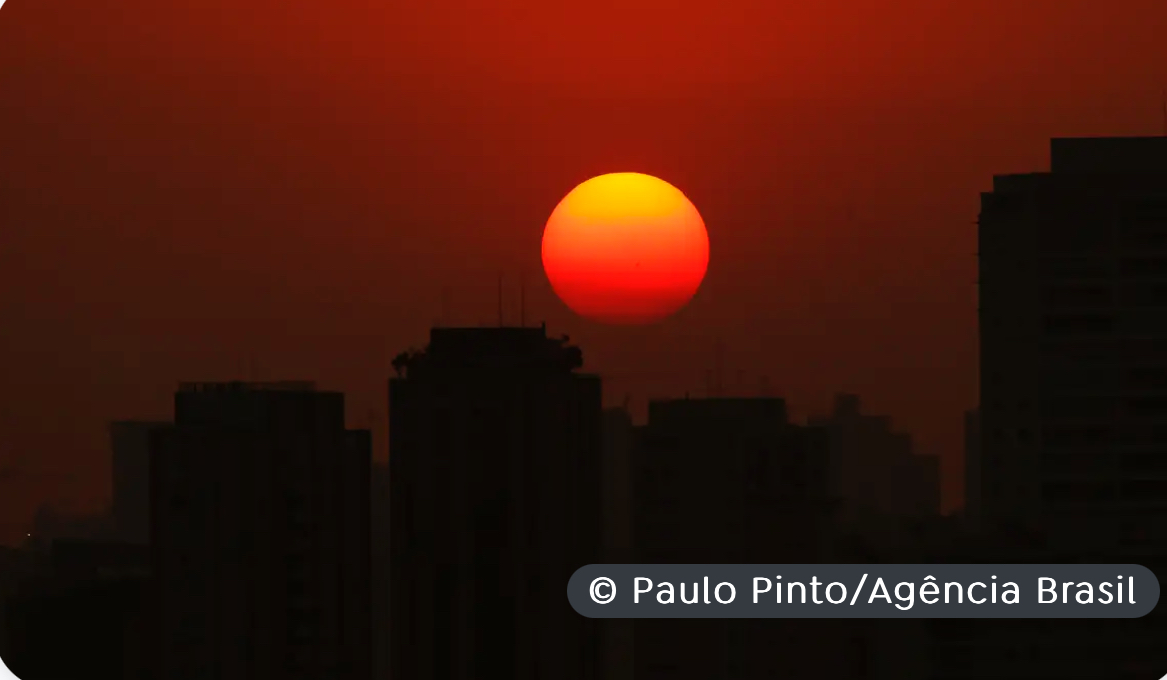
x=625 y=248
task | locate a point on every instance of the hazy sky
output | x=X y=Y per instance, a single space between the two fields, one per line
x=213 y=190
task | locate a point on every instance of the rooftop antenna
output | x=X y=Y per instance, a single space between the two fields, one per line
x=500 y=300
x=1164 y=102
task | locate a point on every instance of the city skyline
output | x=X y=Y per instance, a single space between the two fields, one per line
x=119 y=516
x=266 y=198
x=501 y=451
x=338 y=340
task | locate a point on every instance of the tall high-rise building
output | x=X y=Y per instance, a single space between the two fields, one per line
x=712 y=475
x=91 y=598
x=130 y=468
x=873 y=468
x=379 y=558
x=495 y=496
x=617 y=635
x=972 y=470
x=1073 y=324
x=260 y=535
x=732 y=480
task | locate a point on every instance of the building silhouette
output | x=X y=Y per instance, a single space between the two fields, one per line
x=15 y=566
x=873 y=471
x=972 y=471
x=379 y=559
x=127 y=517
x=130 y=468
x=711 y=475
x=494 y=453
x=619 y=442
x=1065 y=456
x=732 y=480
x=50 y=524
x=81 y=610
x=260 y=535
x=1073 y=325
x=617 y=636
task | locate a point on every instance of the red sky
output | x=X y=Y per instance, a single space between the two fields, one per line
x=212 y=189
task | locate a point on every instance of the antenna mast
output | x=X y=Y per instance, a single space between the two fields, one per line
x=500 y=300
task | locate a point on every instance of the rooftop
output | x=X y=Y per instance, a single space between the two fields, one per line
x=493 y=347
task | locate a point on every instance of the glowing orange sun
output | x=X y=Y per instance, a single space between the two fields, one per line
x=625 y=248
